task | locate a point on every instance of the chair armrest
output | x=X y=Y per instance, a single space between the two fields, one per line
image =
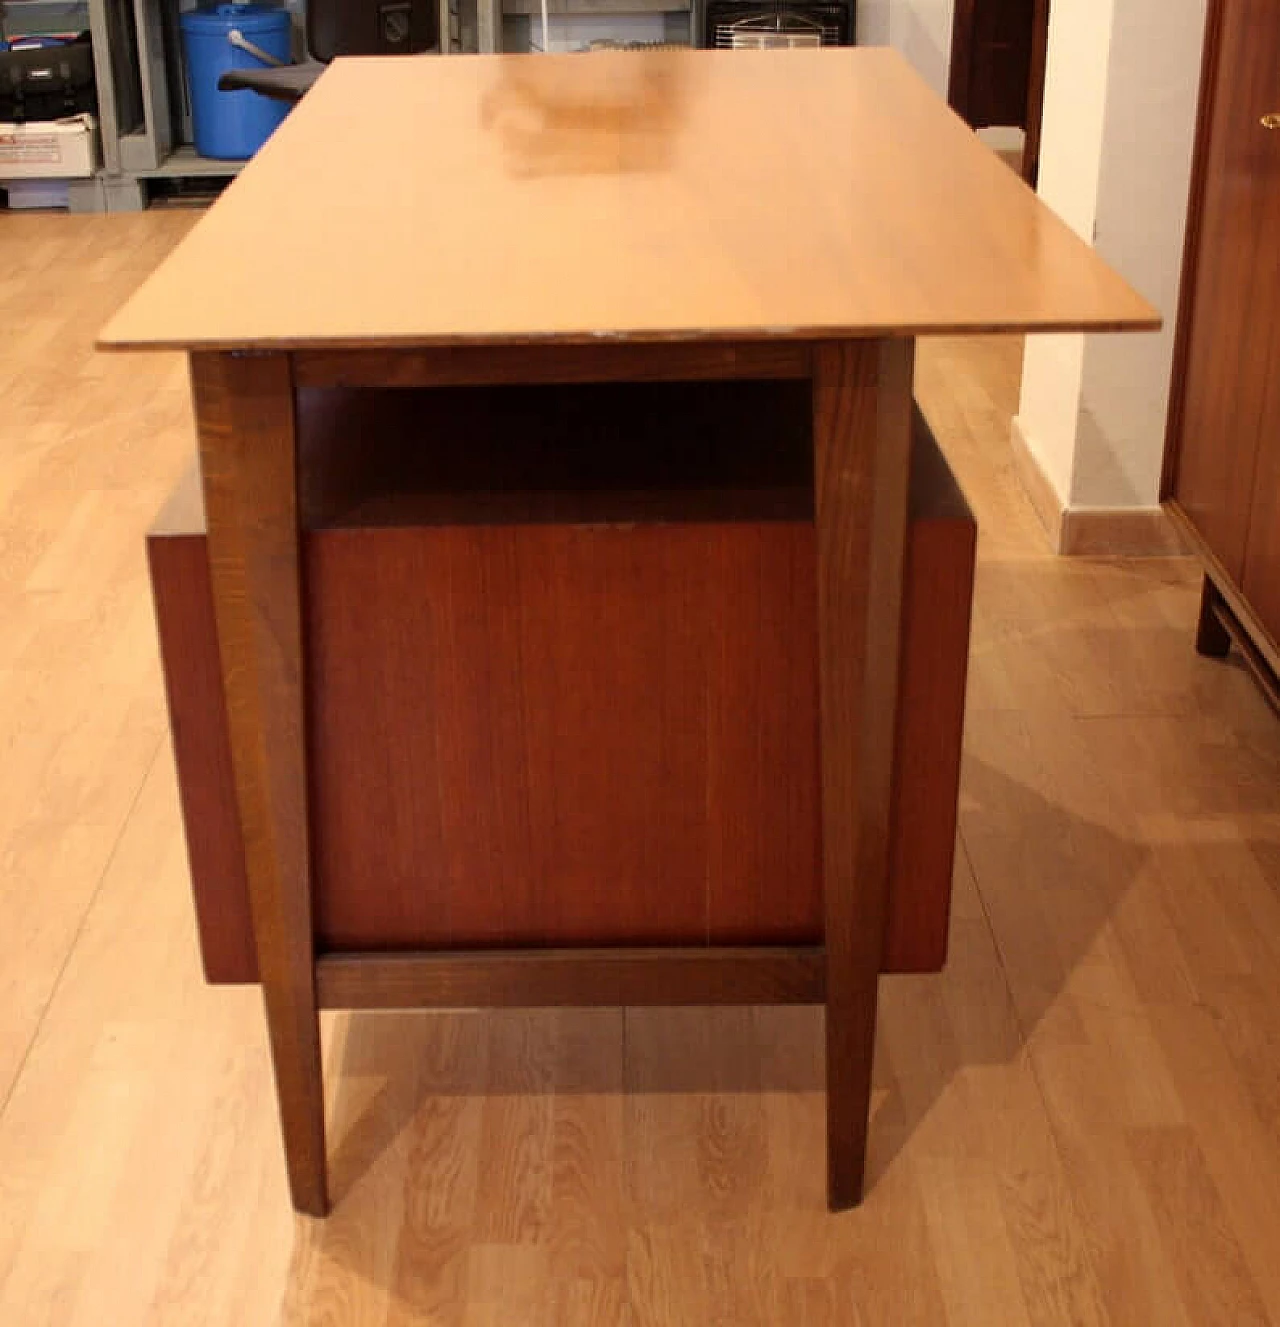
x=286 y=84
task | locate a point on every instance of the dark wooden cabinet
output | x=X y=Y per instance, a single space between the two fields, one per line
x=998 y=54
x=1222 y=468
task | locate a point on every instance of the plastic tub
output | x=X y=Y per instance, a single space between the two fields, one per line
x=232 y=126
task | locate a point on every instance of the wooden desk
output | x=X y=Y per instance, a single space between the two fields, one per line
x=651 y=217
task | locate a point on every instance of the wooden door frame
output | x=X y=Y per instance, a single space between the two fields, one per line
x=1035 y=91
x=958 y=86
x=1191 y=250
x=961 y=58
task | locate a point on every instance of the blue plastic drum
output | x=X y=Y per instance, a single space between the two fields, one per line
x=232 y=125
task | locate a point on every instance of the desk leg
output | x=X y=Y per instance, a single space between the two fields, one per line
x=862 y=450
x=248 y=457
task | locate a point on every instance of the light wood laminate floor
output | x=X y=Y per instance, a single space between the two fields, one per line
x=1079 y=1123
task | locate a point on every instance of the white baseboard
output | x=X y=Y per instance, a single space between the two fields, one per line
x=1090 y=531
x=1036 y=484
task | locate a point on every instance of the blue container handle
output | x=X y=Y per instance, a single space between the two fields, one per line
x=242 y=43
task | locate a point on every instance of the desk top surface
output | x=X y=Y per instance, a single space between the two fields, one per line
x=687 y=195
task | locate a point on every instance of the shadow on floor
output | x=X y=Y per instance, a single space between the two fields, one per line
x=1056 y=840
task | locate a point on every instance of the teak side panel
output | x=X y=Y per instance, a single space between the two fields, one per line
x=763 y=873
x=581 y=765
x=178 y=563
x=634 y=196
x=937 y=595
x=935 y=617
x=929 y=745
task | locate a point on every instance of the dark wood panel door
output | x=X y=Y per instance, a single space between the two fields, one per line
x=1261 y=583
x=991 y=60
x=1232 y=331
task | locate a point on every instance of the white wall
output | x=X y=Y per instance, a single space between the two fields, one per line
x=920 y=29
x=1075 y=102
x=1119 y=119
x=1141 y=220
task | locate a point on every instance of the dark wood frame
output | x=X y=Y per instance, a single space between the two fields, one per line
x=961 y=58
x=1191 y=247
x=862 y=406
x=961 y=62
x=1035 y=93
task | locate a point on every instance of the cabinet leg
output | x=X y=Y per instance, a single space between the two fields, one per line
x=248 y=458
x=1212 y=638
x=862 y=452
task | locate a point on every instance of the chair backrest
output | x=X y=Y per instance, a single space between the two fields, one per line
x=371 y=27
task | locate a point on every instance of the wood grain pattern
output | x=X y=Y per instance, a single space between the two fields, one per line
x=1260 y=577
x=584 y=176
x=1231 y=306
x=937 y=597
x=473 y=366
x=1114 y=779
x=561 y=784
x=862 y=452
x=390 y=603
x=536 y=979
x=245 y=429
x=1189 y=275
x=1213 y=1279
x=178 y=562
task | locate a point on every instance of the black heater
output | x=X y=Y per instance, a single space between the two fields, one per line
x=731 y=25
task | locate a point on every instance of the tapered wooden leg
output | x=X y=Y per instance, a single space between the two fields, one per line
x=248 y=457
x=1212 y=638
x=862 y=451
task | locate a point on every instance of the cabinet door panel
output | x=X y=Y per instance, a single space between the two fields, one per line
x=991 y=60
x=1235 y=316
x=1262 y=550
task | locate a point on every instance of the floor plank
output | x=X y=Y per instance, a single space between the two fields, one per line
x=1078 y=1122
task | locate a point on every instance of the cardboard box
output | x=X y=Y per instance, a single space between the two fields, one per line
x=49 y=149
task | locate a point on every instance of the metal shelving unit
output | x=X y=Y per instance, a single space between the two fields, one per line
x=184 y=162
x=138 y=76
x=139 y=89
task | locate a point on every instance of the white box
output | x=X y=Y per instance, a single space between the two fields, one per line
x=49 y=149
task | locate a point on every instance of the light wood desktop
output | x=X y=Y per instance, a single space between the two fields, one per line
x=619 y=217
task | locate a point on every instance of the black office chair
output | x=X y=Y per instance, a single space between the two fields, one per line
x=344 y=27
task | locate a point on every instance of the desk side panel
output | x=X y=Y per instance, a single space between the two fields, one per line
x=756 y=853
x=178 y=559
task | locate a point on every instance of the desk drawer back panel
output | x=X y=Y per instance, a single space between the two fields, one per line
x=572 y=712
